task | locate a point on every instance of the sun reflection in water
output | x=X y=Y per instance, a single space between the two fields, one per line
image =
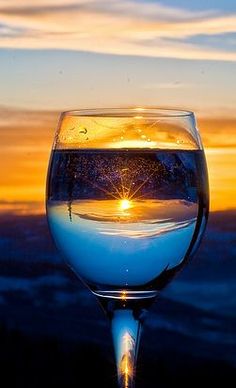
x=125 y=204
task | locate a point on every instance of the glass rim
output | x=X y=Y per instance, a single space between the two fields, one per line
x=151 y=112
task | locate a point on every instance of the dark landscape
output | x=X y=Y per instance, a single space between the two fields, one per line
x=54 y=334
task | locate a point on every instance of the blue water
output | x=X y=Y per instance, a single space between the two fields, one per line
x=126 y=220
x=122 y=254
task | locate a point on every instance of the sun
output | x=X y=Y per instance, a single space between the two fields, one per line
x=125 y=204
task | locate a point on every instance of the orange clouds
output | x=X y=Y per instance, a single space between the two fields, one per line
x=219 y=139
x=124 y=28
x=27 y=138
x=25 y=146
x=221 y=168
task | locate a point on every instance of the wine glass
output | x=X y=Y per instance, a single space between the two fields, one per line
x=127 y=205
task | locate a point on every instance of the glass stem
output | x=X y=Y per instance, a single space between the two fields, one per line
x=126 y=329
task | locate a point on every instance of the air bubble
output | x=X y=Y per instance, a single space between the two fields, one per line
x=179 y=141
x=83 y=131
x=143 y=136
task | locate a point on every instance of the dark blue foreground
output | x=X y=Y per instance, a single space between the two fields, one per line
x=52 y=330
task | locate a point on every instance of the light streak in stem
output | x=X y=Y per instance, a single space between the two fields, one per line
x=126 y=369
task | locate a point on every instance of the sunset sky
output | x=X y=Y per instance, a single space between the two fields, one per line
x=66 y=54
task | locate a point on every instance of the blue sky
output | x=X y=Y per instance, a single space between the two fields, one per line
x=224 y=5
x=65 y=54
x=57 y=79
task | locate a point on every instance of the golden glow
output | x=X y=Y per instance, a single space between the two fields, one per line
x=126 y=369
x=222 y=178
x=125 y=204
x=123 y=295
x=141 y=211
x=134 y=144
x=25 y=148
